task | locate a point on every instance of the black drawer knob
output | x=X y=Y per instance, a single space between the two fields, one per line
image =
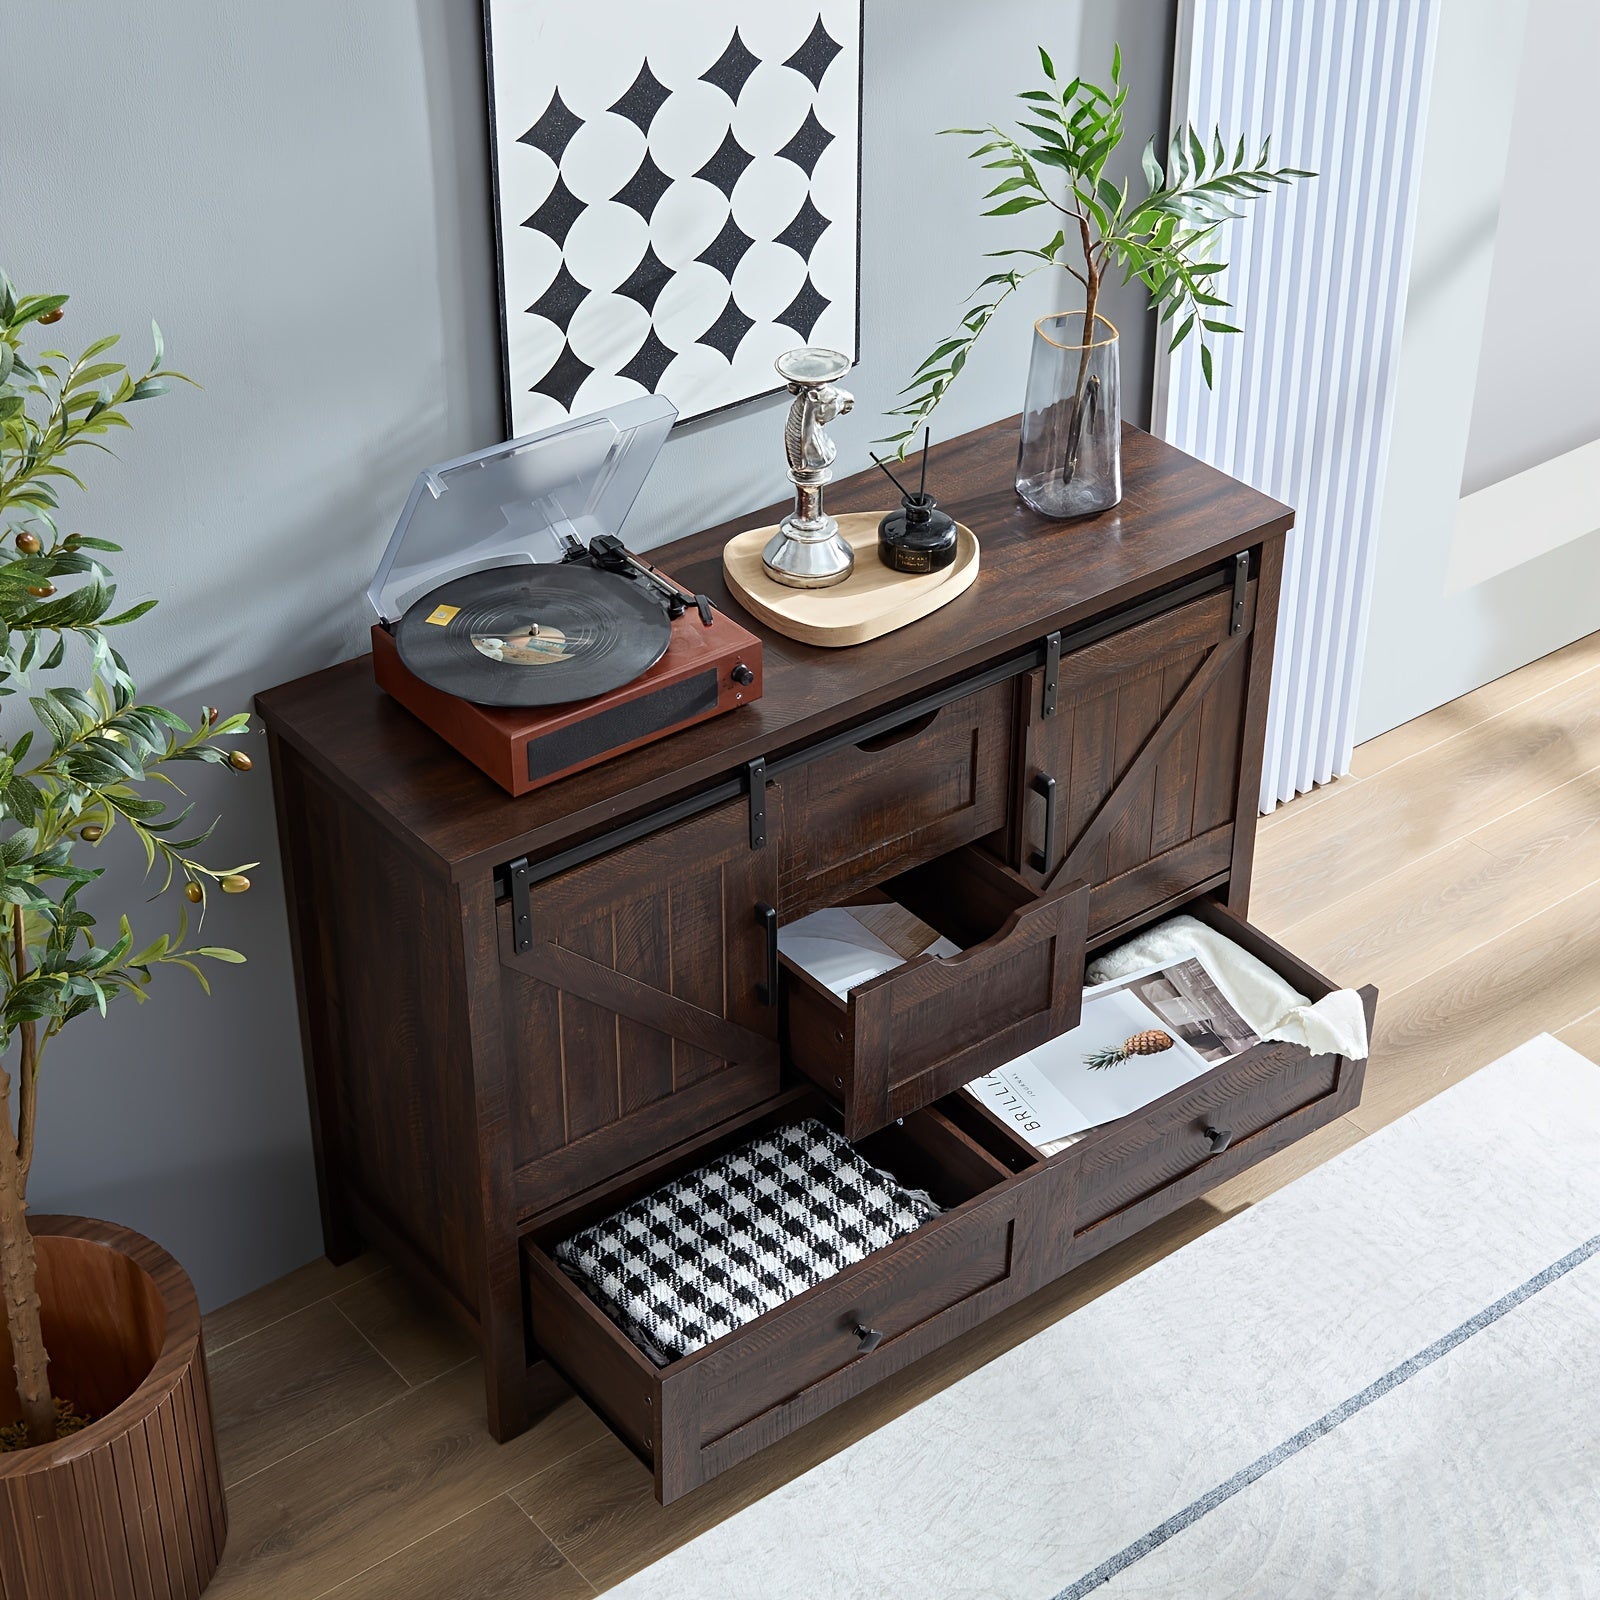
x=866 y=1338
x=1220 y=1139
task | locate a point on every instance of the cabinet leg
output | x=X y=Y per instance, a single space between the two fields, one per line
x=341 y=1239
x=504 y=1344
x=506 y=1398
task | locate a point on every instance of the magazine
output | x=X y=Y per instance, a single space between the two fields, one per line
x=1139 y=1037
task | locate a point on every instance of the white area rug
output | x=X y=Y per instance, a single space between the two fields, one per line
x=1382 y=1381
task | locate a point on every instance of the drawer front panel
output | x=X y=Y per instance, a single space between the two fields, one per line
x=940 y=1031
x=897 y=1291
x=920 y=1031
x=868 y=811
x=1146 y=1154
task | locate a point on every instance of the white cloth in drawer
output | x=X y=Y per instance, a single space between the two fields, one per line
x=1335 y=1025
x=714 y=1249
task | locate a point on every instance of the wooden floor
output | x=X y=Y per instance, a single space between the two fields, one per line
x=1458 y=868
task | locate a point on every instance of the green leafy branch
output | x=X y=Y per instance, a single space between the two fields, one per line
x=104 y=742
x=1163 y=238
x=94 y=750
x=83 y=400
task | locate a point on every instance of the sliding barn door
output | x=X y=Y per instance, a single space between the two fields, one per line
x=642 y=1012
x=1137 y=768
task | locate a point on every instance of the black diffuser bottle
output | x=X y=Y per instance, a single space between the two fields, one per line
x=919 y=537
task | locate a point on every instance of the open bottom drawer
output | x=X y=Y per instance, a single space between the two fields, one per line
x=712 y=1408
x=1139 y=1168
x=1130 y=1172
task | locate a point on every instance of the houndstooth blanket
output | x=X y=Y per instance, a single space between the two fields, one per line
x=716 y=1248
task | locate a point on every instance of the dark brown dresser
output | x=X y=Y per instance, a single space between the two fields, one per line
x=518 y=1014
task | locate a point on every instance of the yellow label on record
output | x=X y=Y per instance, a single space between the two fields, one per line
x=441 y=615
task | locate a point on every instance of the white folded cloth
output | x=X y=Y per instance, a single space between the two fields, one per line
x=1335 y=1025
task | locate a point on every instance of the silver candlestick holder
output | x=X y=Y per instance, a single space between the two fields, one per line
x=806 y=552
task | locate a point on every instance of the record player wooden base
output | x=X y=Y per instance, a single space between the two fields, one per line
x=871 y=602
x=706 y=670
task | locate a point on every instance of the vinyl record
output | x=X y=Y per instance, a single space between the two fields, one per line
x=533 y=635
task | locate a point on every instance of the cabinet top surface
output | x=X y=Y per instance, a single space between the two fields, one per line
x=1177 y=516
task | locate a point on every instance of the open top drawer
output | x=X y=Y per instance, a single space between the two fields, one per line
x=705 y=1411
x=910 y=1035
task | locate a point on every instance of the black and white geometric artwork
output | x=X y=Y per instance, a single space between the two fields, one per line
x=676 y=196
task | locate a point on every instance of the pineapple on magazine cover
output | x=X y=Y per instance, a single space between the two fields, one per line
x=1147 y=1042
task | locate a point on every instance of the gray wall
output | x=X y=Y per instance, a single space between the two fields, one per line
x=1472 y=403
x=298 y=192
x=1537 y=393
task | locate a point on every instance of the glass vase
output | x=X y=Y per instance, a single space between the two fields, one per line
x=1069 y=463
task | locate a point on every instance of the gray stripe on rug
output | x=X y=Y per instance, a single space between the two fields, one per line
x=1326 y=1423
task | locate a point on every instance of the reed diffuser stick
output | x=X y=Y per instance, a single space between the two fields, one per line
x=890 y=476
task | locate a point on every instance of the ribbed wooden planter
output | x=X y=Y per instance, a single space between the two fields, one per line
x=131 y=1506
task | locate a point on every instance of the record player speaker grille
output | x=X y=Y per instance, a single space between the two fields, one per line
x=564 y=748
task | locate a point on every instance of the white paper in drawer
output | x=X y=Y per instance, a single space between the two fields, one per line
x=840 y=952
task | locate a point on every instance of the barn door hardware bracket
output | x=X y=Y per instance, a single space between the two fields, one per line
x=1241 y=577
x=757 y=772
x=521 y=910
x=1052 y=673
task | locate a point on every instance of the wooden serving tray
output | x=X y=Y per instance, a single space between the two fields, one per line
x=872 y=601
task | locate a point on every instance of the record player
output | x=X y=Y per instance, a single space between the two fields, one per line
x=516 y=624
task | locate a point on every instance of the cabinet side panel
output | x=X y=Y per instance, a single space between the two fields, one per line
x=1263 y=643
x=315 y=995
x=394 y=1057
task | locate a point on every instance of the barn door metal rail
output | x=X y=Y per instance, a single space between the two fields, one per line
x=517 y=877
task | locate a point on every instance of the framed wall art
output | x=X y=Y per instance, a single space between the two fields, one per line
x=677 y=193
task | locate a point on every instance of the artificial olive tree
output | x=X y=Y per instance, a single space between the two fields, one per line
x=79 y=755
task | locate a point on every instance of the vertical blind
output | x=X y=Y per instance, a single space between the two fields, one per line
x=1304 y=398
